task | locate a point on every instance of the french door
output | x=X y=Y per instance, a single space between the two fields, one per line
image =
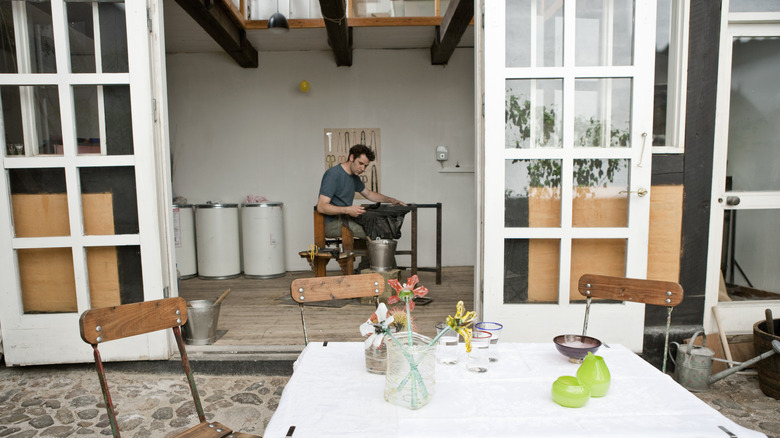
x=568 y=123
x=745 y=216
x=81 y=224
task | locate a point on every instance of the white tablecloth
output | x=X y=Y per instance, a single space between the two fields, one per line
x=330 y=394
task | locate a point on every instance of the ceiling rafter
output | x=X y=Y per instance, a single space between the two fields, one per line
x=334 y=12
x=453 y=25
x=220 y=23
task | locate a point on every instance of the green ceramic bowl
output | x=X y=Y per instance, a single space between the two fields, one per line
x=569 y=392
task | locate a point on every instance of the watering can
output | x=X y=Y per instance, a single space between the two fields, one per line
x=693 y=367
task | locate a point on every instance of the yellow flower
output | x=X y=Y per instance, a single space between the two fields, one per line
x=461 y=322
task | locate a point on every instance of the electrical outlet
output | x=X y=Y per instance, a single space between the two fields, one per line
x=441 y=153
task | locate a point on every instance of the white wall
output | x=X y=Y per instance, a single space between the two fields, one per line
x=237 y=131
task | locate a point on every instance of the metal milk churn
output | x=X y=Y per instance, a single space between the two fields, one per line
x=694 y=364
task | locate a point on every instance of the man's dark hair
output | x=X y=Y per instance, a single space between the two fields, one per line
x=361 y=149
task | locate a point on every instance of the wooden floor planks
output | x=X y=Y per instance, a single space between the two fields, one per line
x=260 y=312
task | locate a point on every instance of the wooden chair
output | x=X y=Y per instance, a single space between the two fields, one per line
x=110 y=323
x=655 y=292
x=328 y=249
x=311 y=290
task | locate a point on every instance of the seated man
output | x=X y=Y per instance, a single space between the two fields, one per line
x=337 y=192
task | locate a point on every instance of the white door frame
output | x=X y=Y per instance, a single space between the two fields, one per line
x=735 y=316
x=619 y=323
x=54 y=338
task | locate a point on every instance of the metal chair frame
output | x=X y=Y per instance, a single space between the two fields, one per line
x=310 y=290
x=101 y=325
x=655 y=292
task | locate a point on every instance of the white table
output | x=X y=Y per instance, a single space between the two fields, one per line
x=330 y=394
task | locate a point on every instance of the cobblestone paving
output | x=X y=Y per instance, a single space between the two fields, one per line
x=47 y=402
x=66 y=402
x=739 y=398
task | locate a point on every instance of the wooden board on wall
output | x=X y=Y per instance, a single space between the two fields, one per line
x=47 y=275
x=605 y=257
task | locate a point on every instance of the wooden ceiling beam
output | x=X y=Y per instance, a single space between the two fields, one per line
x=453 y=25
x=339 y=33
x=220 y=23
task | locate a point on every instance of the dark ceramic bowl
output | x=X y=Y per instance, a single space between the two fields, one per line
x=576 y=347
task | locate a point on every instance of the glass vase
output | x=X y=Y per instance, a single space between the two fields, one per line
x=594 y=374
x=376 y=358
x=409 y=379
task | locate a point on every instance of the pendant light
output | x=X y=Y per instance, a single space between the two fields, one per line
x=278 y=22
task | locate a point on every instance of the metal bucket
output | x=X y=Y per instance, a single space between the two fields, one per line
x=202 y=320
x=381 y=254
x=768 y=369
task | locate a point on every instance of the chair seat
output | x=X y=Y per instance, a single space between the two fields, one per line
x=213 y=429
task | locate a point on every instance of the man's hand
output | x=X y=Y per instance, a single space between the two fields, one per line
x=355 y=210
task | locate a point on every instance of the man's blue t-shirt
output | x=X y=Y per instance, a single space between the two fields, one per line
x=340 y=186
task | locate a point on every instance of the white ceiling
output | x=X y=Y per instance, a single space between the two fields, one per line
x=184 y=35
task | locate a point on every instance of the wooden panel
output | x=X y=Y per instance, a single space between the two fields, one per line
x=40 y=215
x=98 y=211
x=103 y=271
x=306 y=290
x=47 y=277
x=132 y=319
x=602 y=256
x=663 y=252
x=607 y=257
x=630 y=289
x=47 y=280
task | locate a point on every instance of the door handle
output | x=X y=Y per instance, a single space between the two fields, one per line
x=640 y=192
x=730 y=200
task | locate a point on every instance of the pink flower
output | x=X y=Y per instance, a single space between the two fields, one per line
x=406 y=292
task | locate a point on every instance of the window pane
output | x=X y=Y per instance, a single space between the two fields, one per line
x=8 y=63
x=596 y=256
x=81 y=37
x=40 y=205
x=531 y=270
x=115 y=275
x=597 y=201
x=753 y=156
x=47 y=280
x=533 y=113
x=46 y=104
x=749 y=254
x=660 y=100
x=605 y=32
x=534 y=33
x=12 y=119
x=109 y=200
x=754 y=6
x=85 y=102
x=113 y=37
x=119 y=123
x=602 y=112
x=41 y=37
x=532 y=197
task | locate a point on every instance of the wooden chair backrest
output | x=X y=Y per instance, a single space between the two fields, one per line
x=656 y=292
x=309 y=290
x=117 y=322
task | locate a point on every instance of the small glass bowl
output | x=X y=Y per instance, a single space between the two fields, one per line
x=567 y=391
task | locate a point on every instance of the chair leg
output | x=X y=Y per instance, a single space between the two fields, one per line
x=303 y=321
x=666 y=338
x=587 y=313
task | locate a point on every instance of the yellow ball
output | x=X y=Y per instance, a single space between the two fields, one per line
x=304 y=86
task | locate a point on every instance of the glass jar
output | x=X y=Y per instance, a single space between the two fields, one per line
x=376 y=358
x=409 y=378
